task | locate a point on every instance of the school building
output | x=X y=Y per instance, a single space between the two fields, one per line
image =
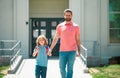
x=99 y=24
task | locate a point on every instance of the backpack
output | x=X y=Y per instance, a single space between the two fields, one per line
x=47 y=48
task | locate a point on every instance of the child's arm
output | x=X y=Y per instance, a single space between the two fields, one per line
x=36 y=50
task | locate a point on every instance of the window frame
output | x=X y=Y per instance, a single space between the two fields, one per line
x=109 y=28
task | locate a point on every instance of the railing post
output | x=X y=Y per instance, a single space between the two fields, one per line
x=84 y=57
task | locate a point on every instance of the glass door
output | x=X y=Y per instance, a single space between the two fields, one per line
x=47 y=27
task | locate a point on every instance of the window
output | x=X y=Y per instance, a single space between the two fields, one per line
x=114 y=21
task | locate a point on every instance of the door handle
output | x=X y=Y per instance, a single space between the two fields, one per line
x=49 y=40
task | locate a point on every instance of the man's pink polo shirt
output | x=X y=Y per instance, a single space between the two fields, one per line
x=67 y=34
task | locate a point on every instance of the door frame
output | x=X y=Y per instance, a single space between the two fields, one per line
x=48 y=24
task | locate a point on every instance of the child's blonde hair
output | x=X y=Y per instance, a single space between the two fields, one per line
x=44 y=38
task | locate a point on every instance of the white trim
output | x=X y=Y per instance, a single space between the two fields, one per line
x=108 y=33
x=83 y=19
x=99 y=27
x=15 y=18
x=108 y=30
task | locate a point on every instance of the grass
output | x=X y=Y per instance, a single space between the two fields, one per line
x=111 y=71
x=3 y=71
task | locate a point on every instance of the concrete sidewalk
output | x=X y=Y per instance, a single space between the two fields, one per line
x=27 y=69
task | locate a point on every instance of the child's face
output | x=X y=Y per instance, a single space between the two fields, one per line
x=41 y=41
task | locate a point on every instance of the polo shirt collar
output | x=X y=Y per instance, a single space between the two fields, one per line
x=68 y=23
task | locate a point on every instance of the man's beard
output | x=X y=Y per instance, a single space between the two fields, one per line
x=67 y=19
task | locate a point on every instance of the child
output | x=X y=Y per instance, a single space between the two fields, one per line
x=41 y=53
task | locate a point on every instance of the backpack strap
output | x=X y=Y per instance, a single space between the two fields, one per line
x=47 y=48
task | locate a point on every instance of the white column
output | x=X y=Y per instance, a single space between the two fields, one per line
x=21 y=29
x=77 y=6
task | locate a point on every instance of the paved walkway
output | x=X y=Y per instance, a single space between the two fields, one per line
x=26 y=70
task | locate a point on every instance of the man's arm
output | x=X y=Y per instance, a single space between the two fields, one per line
x=55 y=39
x=78 y=43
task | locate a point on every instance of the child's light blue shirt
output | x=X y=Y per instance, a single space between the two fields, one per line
x=42 y=58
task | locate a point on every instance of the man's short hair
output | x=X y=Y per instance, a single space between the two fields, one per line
x=67 y=10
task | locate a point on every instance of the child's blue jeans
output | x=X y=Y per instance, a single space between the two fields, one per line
x=40 y=71
x=66 y=59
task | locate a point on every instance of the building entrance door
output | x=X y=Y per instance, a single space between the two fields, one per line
x=47 y=27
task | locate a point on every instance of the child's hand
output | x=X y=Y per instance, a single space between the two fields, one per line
x=35 y=54
x=36 y=51
x=49 y=52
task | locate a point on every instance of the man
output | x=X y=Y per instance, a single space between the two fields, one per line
x=69 y=34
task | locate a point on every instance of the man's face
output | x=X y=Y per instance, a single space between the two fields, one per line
x=68 y=16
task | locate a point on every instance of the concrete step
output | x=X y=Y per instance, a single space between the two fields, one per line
x=14 y=67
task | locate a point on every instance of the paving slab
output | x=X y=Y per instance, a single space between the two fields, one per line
x=27 y=69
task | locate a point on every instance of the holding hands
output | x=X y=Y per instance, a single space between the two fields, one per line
x=49 y=52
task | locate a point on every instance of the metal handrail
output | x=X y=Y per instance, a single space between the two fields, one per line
x=13 y=46
x=13 y=59
x=8 y=40
x=84 y=55
x=16 y=45
x=16 y=49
